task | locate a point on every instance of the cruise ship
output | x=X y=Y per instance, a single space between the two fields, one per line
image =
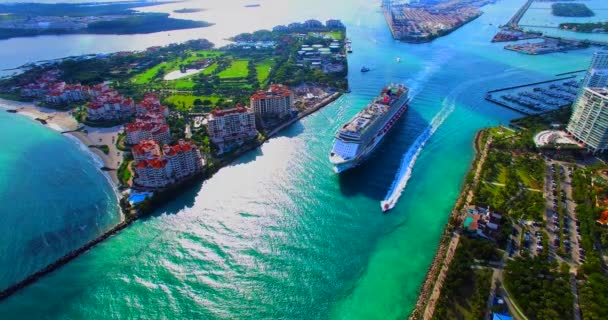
x=356 y=139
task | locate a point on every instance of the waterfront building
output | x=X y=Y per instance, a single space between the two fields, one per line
x=152 y=173
x=276 y=102
x=145 y=150
x=111 y=108
x=597 y=74
x=142 y=129
x=589 y=121
x=61 y=92
x=184 y=159
x=231 y=127
x=109 y=105
x=156 y=171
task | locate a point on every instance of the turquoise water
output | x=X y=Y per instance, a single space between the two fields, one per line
x=53 y=197
x=277 y=234
x=539 y=18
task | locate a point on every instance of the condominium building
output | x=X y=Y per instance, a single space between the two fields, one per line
x=276 y=102
x=184 y=159
x=152 y=173
x=177 y=162
x=146 y=150
x=597 y=74
x=599 y=60
x=232 y=126
x=140 y=129
x=151 y=104
x=589 y=120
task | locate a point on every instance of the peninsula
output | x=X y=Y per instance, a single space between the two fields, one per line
x=423 y=21
x=166 y=118
x=29 y=19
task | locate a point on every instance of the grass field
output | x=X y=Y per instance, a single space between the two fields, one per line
x=238 y=69
x=185 y=103
x=334 y=34
x=209 y=70
x=173 y=65
x=263 y=70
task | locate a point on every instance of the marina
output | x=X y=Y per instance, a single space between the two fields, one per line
x=538 y=97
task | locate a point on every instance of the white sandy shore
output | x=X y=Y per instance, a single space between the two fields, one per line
x=63 y=121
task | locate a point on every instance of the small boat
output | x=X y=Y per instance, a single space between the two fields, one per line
x=386 y=207
x=364 y=69
x=398 y=59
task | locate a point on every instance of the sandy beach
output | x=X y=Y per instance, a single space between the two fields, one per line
x=58 y=120
x=63 y=121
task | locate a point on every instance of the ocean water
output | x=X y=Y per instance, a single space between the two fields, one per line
x=277 y=235
x=539 y=18
x=53 y=197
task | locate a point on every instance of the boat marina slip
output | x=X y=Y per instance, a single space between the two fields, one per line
x=275 y=233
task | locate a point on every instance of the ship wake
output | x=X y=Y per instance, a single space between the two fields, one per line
x=409 y=158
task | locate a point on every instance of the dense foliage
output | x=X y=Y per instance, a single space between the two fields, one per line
x=466 y=290
x=143 y=23
x=585 y=27
x=593 y=297
x=571 y=10
x=542 y=292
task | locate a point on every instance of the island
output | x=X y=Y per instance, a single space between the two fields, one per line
x=158 y=134
x=588 y=27
x=423 y=21
x=34 y=19
x=571 y=10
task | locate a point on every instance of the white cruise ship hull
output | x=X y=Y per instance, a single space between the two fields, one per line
x=342 y=166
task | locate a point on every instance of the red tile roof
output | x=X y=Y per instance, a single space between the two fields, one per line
x=155 y=163
x=274 y=91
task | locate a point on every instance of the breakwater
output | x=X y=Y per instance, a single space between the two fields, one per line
x=530 y=84
x=159 y=198
x=63 y=260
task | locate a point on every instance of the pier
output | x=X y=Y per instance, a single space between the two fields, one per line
x=514 y=22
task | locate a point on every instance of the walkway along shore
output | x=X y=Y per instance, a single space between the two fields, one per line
x=158 y=199
x=431 y=287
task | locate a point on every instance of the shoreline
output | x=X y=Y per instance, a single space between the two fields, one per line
x=428 y=284
x=128 y=217
x=64 y=123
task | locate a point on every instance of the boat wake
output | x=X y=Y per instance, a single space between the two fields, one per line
x=409 y=158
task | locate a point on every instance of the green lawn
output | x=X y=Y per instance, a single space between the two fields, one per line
x=185 y=102
x=263 y=70
x=173 y=65
x=502 y=176
x=334 y=34
x=238 y=69
x=528 y=181
x=209 y=70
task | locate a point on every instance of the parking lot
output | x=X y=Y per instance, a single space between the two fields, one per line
x=561 y=224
